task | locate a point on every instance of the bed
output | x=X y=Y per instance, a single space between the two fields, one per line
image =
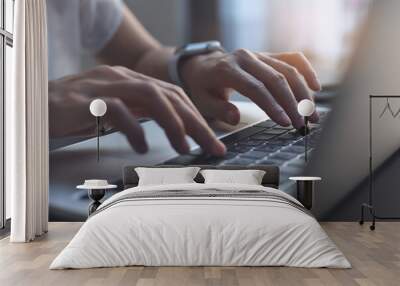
x=198 y=224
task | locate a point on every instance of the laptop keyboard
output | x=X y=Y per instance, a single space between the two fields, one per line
x=265 y=143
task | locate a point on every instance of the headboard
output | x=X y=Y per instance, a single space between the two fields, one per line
x=271 y=177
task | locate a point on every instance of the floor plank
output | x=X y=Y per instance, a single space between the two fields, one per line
x=375 y=256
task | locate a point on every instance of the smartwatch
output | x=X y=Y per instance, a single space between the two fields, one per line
x=187 y=51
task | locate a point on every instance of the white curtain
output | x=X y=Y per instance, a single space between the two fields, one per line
x=27 y=124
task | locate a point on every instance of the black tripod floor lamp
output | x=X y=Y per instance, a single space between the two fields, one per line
x=370 y=205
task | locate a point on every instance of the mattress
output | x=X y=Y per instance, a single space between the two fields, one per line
x=201 y=225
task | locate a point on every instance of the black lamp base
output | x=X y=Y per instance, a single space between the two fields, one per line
x=305 y=190
x=371 y=211
x=96 y=196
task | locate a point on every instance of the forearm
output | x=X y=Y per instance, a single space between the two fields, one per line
x=133 y=47
x=155 y=63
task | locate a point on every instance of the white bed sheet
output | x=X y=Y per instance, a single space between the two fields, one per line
x=200 y=231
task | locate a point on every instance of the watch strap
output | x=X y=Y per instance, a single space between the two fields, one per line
x=187 y=51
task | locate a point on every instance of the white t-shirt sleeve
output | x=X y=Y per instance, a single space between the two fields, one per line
x=99 y=20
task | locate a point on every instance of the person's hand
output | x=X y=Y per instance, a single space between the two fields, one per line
x=128 y=95
x=275 y=82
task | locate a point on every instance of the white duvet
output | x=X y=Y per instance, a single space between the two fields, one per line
x=202 y=231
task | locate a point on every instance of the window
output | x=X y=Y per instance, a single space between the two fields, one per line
x=6 y=44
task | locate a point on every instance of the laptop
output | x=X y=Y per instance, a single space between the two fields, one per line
x=338 y=144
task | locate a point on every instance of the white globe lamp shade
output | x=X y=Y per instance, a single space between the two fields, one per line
x=98 y=107
x=306 y=107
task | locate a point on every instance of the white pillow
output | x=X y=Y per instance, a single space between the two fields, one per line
x=248 y=177
x=163 y=176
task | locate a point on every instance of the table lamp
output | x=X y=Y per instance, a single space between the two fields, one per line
x=98 y=108
x=306 y=108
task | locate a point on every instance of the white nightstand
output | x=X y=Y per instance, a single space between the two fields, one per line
x=305 y=189
x=96 y=191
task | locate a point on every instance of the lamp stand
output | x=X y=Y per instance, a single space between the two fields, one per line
x=98 y=137
x=305 y=137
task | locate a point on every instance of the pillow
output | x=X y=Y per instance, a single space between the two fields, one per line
x=248 y=177
x=163 y=176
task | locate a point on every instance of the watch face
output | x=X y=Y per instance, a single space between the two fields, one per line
x=201 y=47
x=196 y=46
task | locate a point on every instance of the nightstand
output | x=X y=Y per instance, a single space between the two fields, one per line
x=305 y=189
x=96 y=190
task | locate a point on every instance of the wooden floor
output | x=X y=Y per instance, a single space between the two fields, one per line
x=375 y=257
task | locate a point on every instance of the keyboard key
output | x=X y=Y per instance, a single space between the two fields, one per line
x=290 y=135
x=274 y=131
x=240 y=161
x=280 y=143
x=237 y=148
x=299 y=143
x=266 y=124
x=294 y=149
x=255 y=154
x=262 y=136
x=267 y=148
x=251 y=142
x=269 y=161
x=229 y=155
x=241 y=135
x=284 y=127
x=283 y=155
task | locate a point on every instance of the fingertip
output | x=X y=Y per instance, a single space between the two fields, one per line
x=138 y=143
x=316 y=84
x=184 y=147
x=297 y=124
x=316 y=88
x=233 y=116
x=140 y=148
x=219 y=148
x=283 y=119
x=297 y=120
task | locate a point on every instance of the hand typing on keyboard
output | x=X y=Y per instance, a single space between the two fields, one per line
x=275 y=82
x=134 y=82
